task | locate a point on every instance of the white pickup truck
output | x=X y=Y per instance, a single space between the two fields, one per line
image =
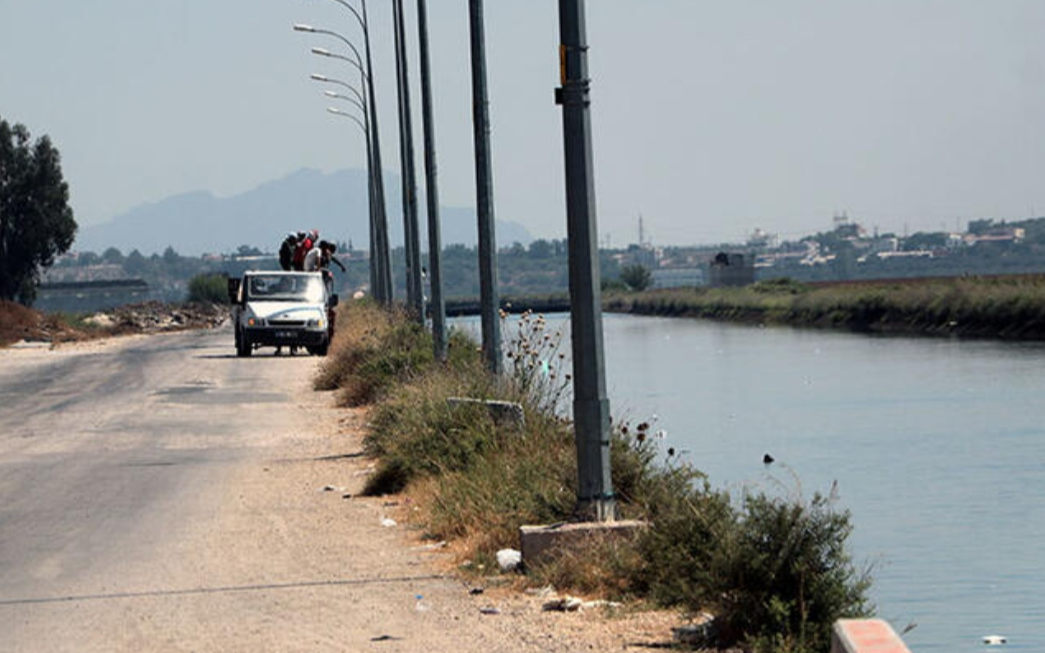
x=282 y=309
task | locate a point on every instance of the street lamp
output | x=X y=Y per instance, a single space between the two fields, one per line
x=323 y=52
x=412 y=249
x=591 y=408
x=357 y=100
x=376 y=279
x=353 y=117
x=360 y=102
x=300 y=27
x=437 y=304
x=383 y=287
x=484 y=208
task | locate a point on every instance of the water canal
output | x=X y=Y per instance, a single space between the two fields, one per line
x=937 y=447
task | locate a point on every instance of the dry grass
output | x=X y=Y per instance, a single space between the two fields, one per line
x=474 y=482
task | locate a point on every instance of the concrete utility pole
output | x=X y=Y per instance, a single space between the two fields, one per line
x=488 y=298
x=383 y=292
x=591 y=408
x=435 y=267
x=414 y=294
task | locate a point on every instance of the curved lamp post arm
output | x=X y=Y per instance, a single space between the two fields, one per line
x=330 y=80
x=308 y=29
x=338 y=112
x=362 y=21
x=354 y=100
x=323 y=52
x=383 y=290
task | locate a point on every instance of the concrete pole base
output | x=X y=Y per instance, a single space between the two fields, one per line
x=542 y=543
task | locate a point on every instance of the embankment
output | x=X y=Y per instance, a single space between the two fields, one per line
x=1007 y=307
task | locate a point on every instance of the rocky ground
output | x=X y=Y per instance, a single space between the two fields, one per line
x=21 y=324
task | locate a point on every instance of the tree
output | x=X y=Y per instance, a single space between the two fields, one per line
x=36 y=221
x=135 y=264
x=541 y=248
x=923 y=240
x=636 y=277
x=113 y=255
x=980 y=227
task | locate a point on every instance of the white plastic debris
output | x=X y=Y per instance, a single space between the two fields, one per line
x=509 y=559
x=563 y=604
x=995 y=640
x=388 y=522
x=421 y=605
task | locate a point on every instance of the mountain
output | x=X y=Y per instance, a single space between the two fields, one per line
x=334 y=203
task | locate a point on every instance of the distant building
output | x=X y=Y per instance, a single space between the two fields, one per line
x=731 y=269
x=762 y=239
x=1001 y=235
x=677 y=277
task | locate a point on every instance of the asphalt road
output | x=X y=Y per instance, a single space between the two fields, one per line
x=159 y=494
x=110 y=451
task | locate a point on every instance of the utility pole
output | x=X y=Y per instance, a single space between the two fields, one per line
x=591 y=408
x=435 y=267
x=383 y=290
x=488 y=300
x=414 y=295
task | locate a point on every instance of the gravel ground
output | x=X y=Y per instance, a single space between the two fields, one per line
x=386 y=568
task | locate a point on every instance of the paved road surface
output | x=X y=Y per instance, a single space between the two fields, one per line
x=110 y=451
x=159 y=494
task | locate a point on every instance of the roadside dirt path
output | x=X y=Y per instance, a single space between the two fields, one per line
x=266 y=553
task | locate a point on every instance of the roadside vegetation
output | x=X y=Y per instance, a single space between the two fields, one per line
x=774 y=570
x=209 y=288
x=1010 y=307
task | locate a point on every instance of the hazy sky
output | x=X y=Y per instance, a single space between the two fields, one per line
x=711 y=117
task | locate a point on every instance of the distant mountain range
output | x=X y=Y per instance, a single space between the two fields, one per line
x=335 y=204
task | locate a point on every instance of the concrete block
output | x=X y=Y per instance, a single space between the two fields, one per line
x=503 y=413
x=537 y=542
x=865 y=636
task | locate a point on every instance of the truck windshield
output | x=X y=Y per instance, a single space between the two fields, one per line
x=285 y=288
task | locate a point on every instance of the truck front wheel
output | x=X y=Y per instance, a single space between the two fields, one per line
x=244 y=347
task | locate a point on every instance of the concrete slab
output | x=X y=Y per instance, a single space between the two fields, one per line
x=865 y=636
x=538 y=542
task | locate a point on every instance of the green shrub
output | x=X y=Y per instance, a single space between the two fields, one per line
x=209 y=288
x=789 y=575
x=636 y=277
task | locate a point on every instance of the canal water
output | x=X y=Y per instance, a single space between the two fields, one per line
x=935 y=446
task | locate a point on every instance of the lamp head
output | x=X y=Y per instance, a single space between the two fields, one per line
x=299 y=27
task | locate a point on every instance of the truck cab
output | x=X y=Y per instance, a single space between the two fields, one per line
x=282 y=309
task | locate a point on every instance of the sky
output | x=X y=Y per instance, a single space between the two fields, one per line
x=711 y=118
